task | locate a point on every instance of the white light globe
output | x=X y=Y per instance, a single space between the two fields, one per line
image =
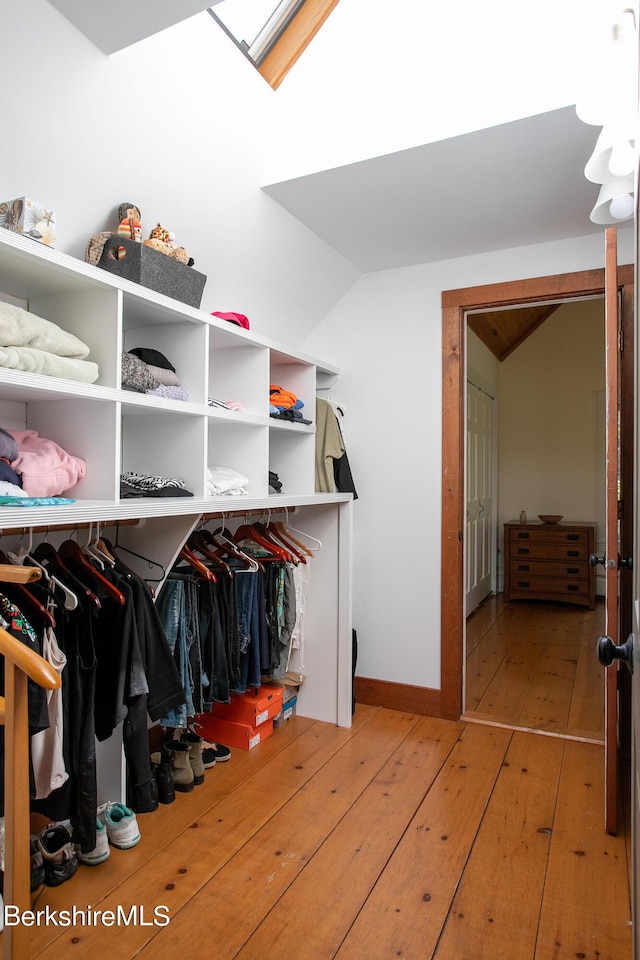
x=622 y=207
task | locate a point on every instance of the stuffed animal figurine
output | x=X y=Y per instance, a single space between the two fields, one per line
x=130 y=225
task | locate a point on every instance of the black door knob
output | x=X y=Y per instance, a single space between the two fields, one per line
x=608 y=651
x=594 y=560
x=626 y=562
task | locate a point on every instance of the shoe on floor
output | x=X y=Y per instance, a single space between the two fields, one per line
x=213 y=753
x=101 y=850
x=37 y=865
x=121 y=824
x=58 y=855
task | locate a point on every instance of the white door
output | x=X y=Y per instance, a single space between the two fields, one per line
x=480 y=527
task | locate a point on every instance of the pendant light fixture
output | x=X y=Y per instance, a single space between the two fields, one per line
x=611 y=102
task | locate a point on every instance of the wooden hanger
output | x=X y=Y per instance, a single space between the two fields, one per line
x=231 y=548
x=265 y=531
x=71 y=553
x=29 y=604
x=191 y=558
x=197 y=544
x=249 y=532
x=274 y=533
x=285 y=532
x=47 y=556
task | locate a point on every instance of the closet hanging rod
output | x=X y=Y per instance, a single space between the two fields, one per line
x=227 y=514
x=53 y=527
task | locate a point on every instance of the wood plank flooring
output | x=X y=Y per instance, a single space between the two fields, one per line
x=401 y=837
x=533 y=665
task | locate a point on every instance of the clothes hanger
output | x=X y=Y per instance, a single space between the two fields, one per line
x=118 y=548
x=71 y=553
x=92 y=549
x=197 y=544
x=230 y=547
x=70 y=598
x=28 y=603
x=276 y=533
x=269 y=535
x=191 y=558
x=284 y=532
x=248 y=531
x=46 y=555
x=301 y=533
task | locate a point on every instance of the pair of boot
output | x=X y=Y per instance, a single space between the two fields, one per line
x=179 y=765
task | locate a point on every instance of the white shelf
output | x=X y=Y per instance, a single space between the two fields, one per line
x=213 y=359
x=115 y=430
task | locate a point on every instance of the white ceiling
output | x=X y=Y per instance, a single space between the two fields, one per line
x=511 y=185
x=516 y=184
x=116 y=24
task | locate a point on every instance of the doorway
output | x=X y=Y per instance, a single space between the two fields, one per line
x=530 y=663
x=456 y=306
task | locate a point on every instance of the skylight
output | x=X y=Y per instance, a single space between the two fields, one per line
x=271 y=34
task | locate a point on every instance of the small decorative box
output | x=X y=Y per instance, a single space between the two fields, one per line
x=29 y=218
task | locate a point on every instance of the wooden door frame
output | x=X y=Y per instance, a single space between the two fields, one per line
x=455 y=306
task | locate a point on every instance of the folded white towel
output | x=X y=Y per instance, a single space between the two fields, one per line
x=19 y=328
x=39 y=361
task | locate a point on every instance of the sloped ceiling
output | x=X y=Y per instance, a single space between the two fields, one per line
x=502 y=331
x=116 y=24
x=511 y=185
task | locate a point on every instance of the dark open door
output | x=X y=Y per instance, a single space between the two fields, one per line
x=612 y=544
x=612 y=649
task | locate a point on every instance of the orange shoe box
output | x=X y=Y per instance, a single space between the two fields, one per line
x=232 y=733
x=254 y=707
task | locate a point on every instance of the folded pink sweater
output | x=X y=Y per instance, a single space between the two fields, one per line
x=46 y=469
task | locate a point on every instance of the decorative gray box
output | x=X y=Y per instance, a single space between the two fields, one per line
x=146 y=266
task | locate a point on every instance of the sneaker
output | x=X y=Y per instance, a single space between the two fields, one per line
x=121 y=824
x=213 y=753
x=101 y=850
x=58 y=856
x=37 y=865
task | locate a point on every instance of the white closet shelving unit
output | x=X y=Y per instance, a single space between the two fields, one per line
x=116 y=430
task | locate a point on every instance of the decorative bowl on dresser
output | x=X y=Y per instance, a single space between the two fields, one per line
x=549 y=561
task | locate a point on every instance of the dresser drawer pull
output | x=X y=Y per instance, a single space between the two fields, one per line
x=523 y=583
x=523 y=536
x=524 y=567
x=572 y=586
x=574 y=570
x=573 y=553
x=523 y=550
x=573 y=536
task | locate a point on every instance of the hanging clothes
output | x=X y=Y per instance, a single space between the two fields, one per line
x=47 y=755
x=333 y=471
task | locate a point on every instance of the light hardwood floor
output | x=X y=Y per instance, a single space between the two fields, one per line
x=534 y=665
x=401 y=837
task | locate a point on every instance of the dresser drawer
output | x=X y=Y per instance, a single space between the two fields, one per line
x=549 y=551
x=548 y=587
x=524 y=569
x=549 y=533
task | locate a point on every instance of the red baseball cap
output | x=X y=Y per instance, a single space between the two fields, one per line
x=238 y=318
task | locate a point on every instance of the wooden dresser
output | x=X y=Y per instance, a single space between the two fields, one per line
x=550 y=561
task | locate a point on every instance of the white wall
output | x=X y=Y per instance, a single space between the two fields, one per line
x=386 y=334
x=158 y=126
x=549 y=443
